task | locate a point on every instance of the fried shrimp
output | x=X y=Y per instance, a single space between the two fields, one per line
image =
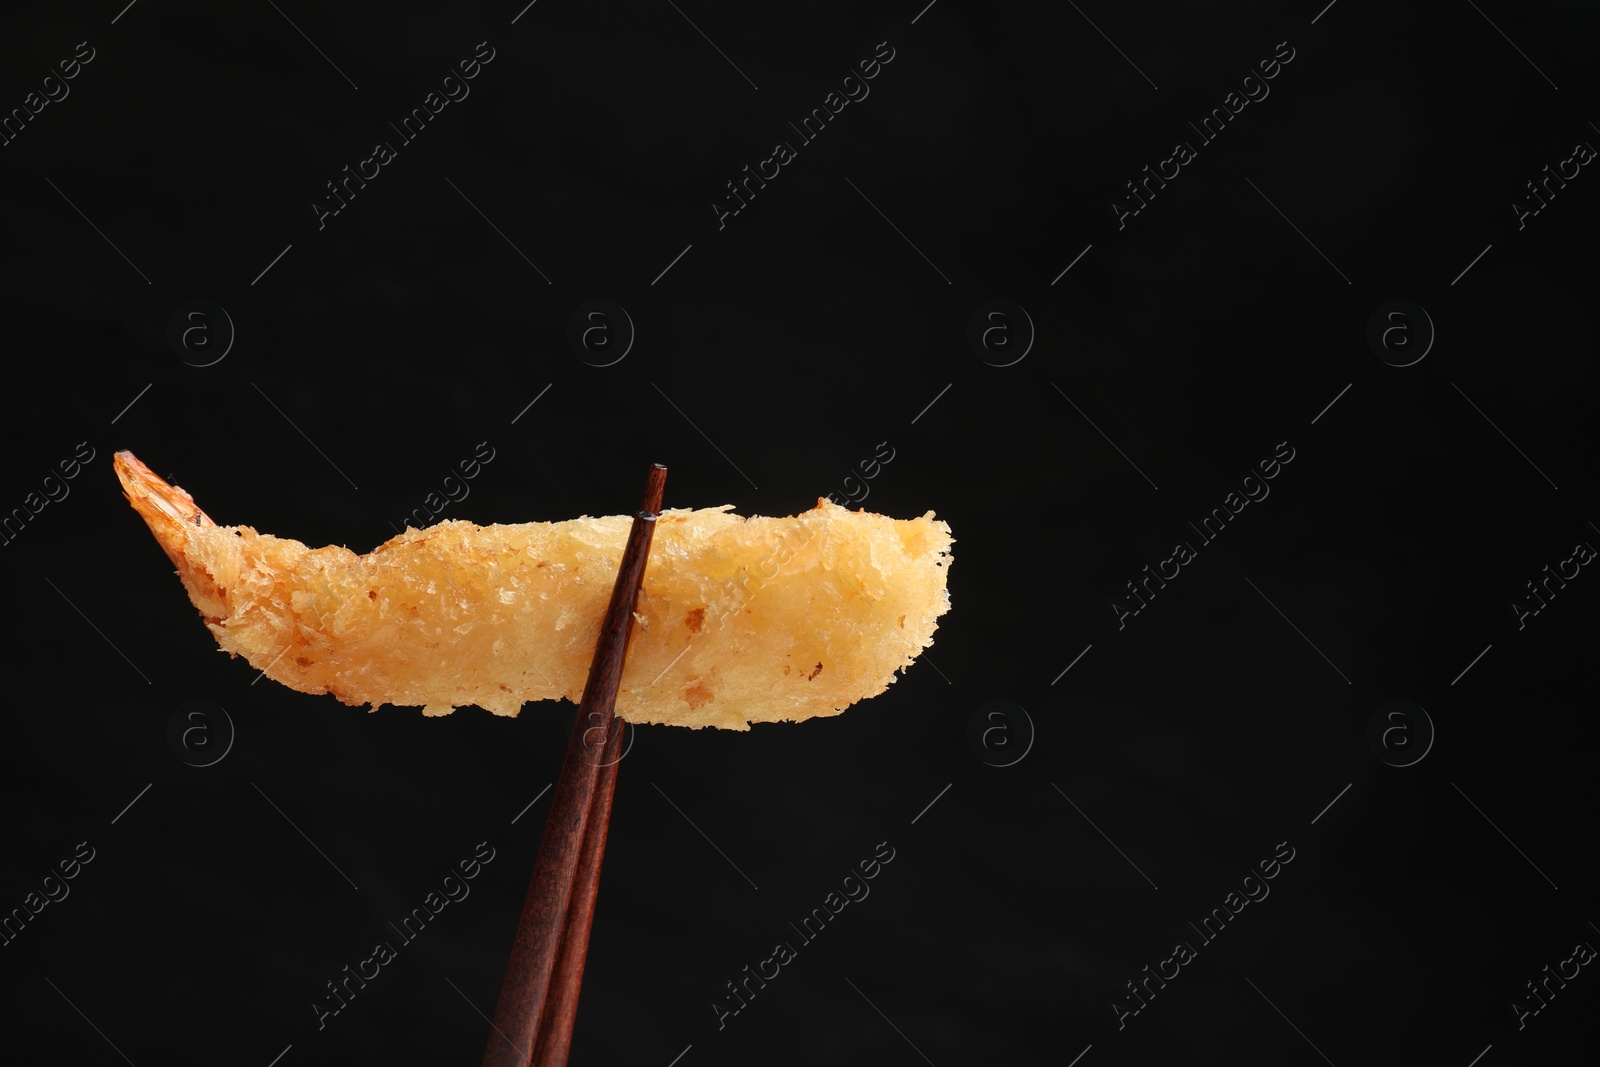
x=739 y=621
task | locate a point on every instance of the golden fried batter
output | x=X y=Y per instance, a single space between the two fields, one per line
x=740 y=620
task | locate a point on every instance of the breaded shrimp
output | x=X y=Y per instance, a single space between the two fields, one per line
x=740 y=620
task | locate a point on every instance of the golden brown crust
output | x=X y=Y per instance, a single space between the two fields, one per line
x=739 y=621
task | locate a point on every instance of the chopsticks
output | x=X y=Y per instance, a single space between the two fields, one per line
x=538 y=1002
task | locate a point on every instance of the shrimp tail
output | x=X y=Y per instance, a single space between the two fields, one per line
x=173 y=517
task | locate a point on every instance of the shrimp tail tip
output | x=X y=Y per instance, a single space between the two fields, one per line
x=171 y=513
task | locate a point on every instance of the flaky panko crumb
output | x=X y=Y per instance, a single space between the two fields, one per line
x=739 y=620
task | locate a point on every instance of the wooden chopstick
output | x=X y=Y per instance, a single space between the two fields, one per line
x=554 y=1039
x=539 y=994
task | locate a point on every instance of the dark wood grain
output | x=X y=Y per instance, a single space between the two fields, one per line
x=539 y=994
x=561 y=1003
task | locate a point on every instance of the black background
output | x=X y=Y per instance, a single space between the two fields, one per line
x=823 y=319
